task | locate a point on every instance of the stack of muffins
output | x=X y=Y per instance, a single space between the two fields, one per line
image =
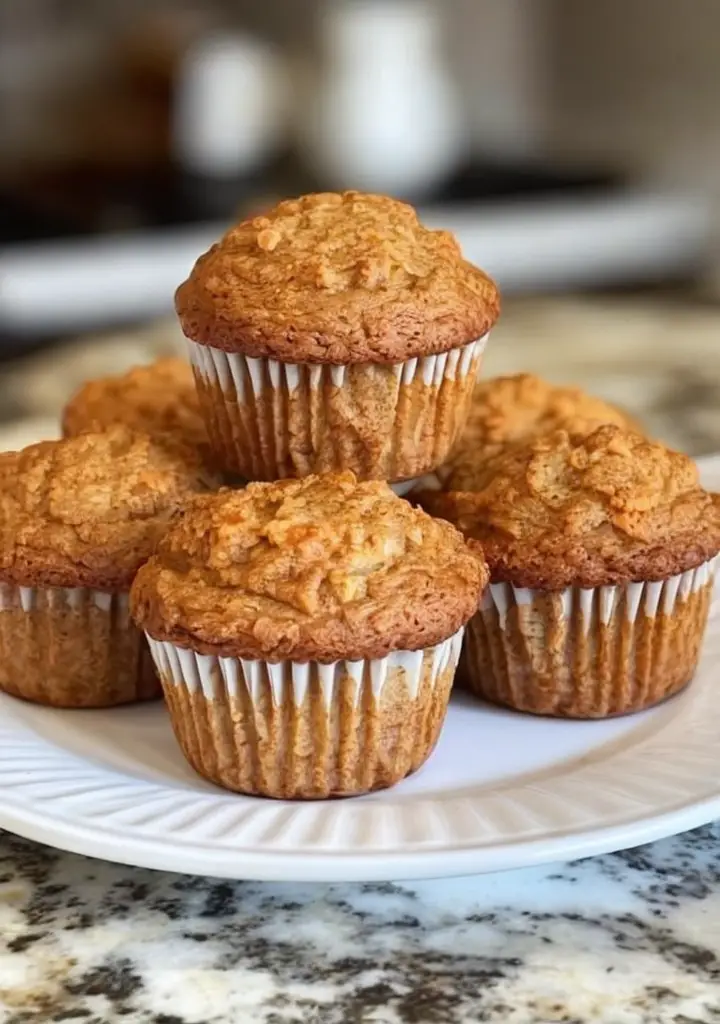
x=306 y=627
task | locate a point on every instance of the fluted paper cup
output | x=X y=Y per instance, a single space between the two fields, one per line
x=72 y=648
x=307 y=730
x=588 y=653
x=269 y=420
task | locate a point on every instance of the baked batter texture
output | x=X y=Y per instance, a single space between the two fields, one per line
x=335 y=332
x=307 y=632
x=602 y=551
x=77 y=519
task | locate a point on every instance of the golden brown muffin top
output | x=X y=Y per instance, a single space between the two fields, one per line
x=336 y=278
x=323 y=568
x=88 y=511
x=156 y=399
x=516 y=408
x=587 y=510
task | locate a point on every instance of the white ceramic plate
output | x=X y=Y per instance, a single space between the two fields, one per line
x=502 y=790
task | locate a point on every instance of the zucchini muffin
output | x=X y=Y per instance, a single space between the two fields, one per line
x=77 y=519
x=306 y=633
x=159 y=398
x=335 y=332
x=513 y=409
x=602 y=551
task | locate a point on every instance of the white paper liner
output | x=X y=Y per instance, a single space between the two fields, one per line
x=426 y=482
x=404 y=487
x=650 y=597
x=217 y=676
x=268 y=419
x=73 y=597
x=234 y=372
x=118 y=669
x=588 y=652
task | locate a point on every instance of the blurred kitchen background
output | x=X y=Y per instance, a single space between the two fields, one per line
x=572 y=146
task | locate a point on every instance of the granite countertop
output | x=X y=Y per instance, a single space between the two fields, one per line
x=630 y=938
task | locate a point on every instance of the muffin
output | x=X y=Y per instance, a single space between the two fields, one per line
x=508 y=410
x=160 y=398
x=602 y=551
x=335 y=332
x=306 y=633
x=77 y=519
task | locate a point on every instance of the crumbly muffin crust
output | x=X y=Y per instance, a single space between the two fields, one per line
x=587 y=510
x=507 y=410
x=336 y=278
x=88 y=511
x=316 y=569
x=157 y=399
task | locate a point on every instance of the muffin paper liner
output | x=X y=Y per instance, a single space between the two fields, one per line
x=72 y=647
x=268 y=420
x=305 y=729
x=588 y=653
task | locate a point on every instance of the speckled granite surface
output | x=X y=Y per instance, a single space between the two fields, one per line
x=631 y=938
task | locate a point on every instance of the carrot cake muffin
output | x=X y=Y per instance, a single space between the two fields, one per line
x=77 y=519
x=335 y=332
x=159 y=398
x=508 y=410
x=306 y=633
x=602 y=551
